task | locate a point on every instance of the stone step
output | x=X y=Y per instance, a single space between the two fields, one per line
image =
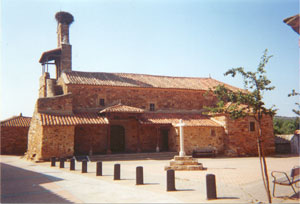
x=185 y=158
x=187 y=162
x=134 y=156
x=185 y=167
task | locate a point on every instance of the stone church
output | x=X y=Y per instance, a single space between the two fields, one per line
x=80 y=113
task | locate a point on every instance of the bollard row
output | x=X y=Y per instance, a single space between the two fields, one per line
x=211 y=191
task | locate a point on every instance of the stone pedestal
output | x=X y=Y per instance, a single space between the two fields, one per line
x=185 y=163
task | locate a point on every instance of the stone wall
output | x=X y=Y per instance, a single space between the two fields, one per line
x=35 y=135
x=88 y=97
x=43 y=84
x=14 y=140
x=57 y=141
x=268 y=135
x=57 y=104
x=90 y=137
x=202 y=137
x=240 y=141
x=131 y=133
x=47 y=141
x=148 y=138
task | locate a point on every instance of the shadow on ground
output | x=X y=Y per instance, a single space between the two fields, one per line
x=23 y=186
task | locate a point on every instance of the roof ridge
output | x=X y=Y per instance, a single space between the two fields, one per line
x=153 y=75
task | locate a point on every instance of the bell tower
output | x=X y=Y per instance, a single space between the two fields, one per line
x=64 y=20
x=60 y=57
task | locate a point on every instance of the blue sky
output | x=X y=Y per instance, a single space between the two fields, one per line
x=197 y=38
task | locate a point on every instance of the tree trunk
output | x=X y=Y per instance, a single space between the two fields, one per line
x=263 y=163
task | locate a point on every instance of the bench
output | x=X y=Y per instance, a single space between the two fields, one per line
x=281 y=178
x=205 y=152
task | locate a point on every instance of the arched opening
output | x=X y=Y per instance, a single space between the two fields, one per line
x=117 y=138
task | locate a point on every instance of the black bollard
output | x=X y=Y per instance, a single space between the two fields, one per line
x=84 y=166
x=211 y=190
x=139 y=175
x=99 y=169
x=117 y=172
x=61 y=163
x=53 y=159
x=171 y=180
x=72 y=164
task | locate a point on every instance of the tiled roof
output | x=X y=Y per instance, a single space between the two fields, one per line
x=77 y=119
x=141 y=80
x=16 y=121
x=293 y=21
x=173 y=119
x=50 y=55
x=122 y=108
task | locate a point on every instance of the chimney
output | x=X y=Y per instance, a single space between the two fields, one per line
x=64 y=20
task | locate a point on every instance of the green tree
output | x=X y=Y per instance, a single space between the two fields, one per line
x=283 y=125
x=248 y=103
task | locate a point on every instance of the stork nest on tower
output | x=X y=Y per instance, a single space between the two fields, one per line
x=64 y=17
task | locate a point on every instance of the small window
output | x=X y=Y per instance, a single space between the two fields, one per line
x=212 y=132
x=152 y=107
x=252 y=126
x=102 y=102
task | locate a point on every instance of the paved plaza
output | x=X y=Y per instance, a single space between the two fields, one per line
x=238 y=181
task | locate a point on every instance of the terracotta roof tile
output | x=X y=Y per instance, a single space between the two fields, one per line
x=173 y=119
x=293 y=21
x=77 y=119
x=122 y=108
x=50 y=55
x=16 y=121
x=141 y=80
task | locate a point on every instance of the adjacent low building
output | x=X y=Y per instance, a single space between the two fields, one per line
x=81 y=113
x=14 y=132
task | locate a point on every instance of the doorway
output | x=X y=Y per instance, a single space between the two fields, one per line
x=117 y=139
x=164 y=140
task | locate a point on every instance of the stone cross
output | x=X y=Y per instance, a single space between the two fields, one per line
x=180 y=125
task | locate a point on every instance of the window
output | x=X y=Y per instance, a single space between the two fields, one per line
x=212 y=132
x=102 y=102
x=252 y=126
x=152 y=107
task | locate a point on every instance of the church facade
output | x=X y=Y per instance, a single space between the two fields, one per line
x=79 y=113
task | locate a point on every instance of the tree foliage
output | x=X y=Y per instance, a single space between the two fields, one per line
x=250 y=103
x=294 y=93
x=243 y=103
x=285 y=125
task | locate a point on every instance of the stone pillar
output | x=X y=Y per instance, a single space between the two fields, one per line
x=108 y=150
x=157 y=139
x=180 y=125
x=138 y=139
